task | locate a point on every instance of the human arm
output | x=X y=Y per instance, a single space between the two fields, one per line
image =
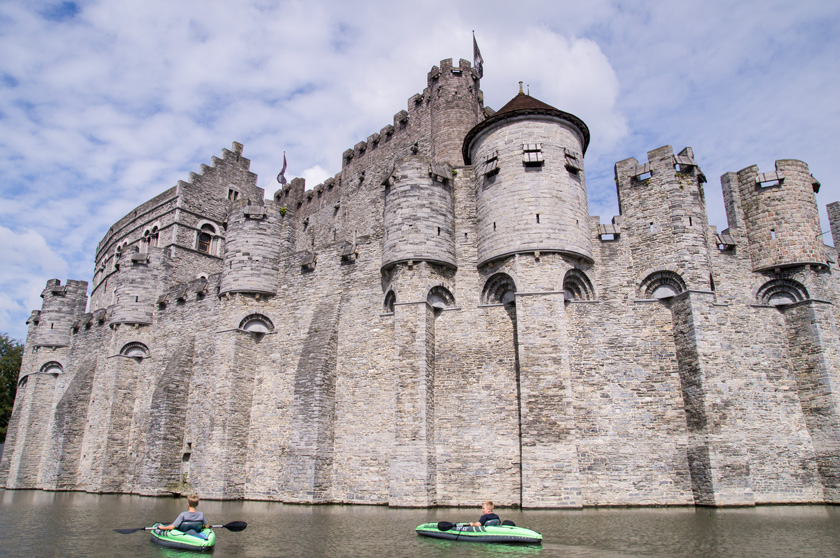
x=173 y=524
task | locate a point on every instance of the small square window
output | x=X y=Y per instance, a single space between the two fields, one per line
x=532 y=154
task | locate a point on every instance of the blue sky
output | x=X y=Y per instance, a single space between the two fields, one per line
x=105 y=104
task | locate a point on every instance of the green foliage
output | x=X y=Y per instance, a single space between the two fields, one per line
x=283 y=210
x=11 y=353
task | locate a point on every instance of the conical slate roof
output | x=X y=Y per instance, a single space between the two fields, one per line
x=524 y=102
x=523 y=105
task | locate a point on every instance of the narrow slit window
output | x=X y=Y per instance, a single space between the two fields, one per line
x=773 y=234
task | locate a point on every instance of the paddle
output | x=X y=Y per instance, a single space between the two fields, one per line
x=234 y=526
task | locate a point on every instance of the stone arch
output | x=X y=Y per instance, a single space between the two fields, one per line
x=577 y=286
x=151 y=237
x=136 y=350
x=662 y=284
x=256 y=323
x=779 y=292
x=499 y=289
x=390 y=301
x=52 y=367
x=207 y=238
x=439 y=298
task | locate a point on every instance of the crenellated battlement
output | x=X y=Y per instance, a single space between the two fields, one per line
x=778 y=210
x=418 y=119
x=62 y=305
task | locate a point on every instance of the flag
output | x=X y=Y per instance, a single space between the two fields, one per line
x=281 y=178
x=478 y=61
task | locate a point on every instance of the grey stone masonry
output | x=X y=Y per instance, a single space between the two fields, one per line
x=419 y=219
x=441 y=323
x=255 y=238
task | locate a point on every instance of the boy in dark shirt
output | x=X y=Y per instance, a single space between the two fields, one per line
x=487 y=510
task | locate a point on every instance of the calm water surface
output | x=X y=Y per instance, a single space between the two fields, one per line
x=36 y=523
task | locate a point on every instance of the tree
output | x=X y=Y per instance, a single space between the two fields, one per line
x=11 y=353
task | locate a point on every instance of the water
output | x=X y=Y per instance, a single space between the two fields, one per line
x=36 y=523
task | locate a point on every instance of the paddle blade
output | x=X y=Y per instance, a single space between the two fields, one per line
x=445 y=525
x=129 y=531
x=234 y=526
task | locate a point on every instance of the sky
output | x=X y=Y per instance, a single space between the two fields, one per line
x=104 y=104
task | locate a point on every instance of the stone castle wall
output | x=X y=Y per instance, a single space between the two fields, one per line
x=410 y=333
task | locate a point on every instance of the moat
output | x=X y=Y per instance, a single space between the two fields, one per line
x=38 y=523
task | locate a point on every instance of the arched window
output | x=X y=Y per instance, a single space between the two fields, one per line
x=390 y=301
x=137 y=351
x=499 y=289
x=440 y=298
x=52 y=367
x=150 y=238
x=206 y=238
x=256 y=323
x=780 y=292
x=577 y=286
x=662 y=284
x=117 y=255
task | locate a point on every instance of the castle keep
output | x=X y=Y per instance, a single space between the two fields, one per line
x=443 y=322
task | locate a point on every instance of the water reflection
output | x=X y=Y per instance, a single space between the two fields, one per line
x=36 y=523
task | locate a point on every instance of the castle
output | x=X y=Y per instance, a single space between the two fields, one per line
x=443 y=322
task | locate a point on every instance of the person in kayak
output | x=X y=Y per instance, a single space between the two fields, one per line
x=487 y=511
x=190 y=521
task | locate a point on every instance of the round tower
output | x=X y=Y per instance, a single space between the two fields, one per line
x=663 y=212
x=253 y=244
x=135 y=288
x=456 y=105
x=781 y=216
x=63 y=305
x=419 y=219
x=530 y=187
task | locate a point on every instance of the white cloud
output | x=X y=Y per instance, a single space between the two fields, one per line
x=28 y=262
x=106 y=105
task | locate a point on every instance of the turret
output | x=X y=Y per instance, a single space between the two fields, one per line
x=253 y=244
x=530 y=185
x=135 y=287
x=778 y=210
x=456 y=105
x=419 y=218
x=63 y=305
x=664 y=216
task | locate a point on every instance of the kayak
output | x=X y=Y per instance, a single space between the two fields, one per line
x=179 y=539
x=487 y=533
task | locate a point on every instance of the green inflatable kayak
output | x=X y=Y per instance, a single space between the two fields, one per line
x=488 y=533
x=187 y=541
